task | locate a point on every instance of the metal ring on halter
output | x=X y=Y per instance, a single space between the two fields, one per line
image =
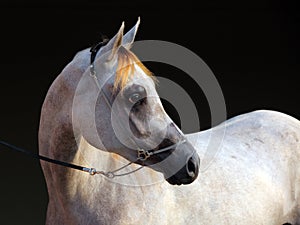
x=110 y=175
x=143 y=155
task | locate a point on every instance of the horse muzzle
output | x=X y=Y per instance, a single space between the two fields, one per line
x=181 y=166
x=188 y=173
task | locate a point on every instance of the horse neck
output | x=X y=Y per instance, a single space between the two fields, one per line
x=71 y=192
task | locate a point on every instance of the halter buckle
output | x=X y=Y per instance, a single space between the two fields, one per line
x=92 y=71
x=143 y=154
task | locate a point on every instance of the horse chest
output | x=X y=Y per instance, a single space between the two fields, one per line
x=132 y=205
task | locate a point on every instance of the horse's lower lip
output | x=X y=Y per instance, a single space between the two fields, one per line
x=174 y=181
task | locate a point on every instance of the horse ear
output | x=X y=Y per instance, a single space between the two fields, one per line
x=114 y=44
x=130 y=35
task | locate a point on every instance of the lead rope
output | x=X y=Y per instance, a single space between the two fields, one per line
x=91 y=171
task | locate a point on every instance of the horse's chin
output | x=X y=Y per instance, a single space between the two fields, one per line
x=173 y=180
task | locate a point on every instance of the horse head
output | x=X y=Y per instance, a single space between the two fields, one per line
x=120 y=111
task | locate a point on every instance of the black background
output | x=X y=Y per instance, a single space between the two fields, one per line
x=252 y=47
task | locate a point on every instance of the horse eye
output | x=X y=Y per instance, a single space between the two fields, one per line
x=135 y=97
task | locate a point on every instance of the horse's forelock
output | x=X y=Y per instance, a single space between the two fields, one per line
x=126 y=68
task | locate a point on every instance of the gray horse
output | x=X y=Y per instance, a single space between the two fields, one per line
x=253 y=178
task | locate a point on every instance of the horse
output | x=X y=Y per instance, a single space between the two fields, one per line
x=103 y=111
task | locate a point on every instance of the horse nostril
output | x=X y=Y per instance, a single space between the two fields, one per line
x=191 y=167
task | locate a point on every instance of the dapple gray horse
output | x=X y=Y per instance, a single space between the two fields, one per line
x=105 y=115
